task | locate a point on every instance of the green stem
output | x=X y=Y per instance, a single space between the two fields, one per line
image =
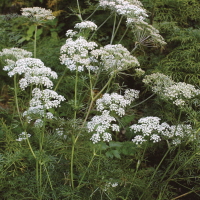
x=136 y=45
x=113 y=31
x=60 y=79
x=94 y=154
x=142 y=101
x=123 y=35
x=137 y=167
x=48 y=177
x=72 y=162
x=35 y=41
x=91 y=104
x=150 y=181
x=79 y=10
x=117 y=28
x=73 y=138
x=100 y=27
x=16 y=100
x=92 y=13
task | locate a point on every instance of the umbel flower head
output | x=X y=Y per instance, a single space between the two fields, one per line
x=34 y=71
x=75 y=54
x=115 y=58
x=150 y=129
x=37 y=14
x=86 y=25
x=110 y=105
x=12 y=55
x=163 y=85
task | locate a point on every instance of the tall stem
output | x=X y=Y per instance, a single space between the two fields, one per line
x=117 y=28
x=91 y=104
x=35 y=41
x=79 y=10
x=73 y=138
x=100 y=27
x=113 y=31
x=60 y=79
x=16 y=99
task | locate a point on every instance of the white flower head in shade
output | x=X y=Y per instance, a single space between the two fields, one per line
x=126 y=8
x=75 y=54
x=12 y=55
x=23 y=136
x=158 y=82
x=179 y=93
x=37 y=14
x=71 y=33
x=86 y=25
x=150 y=129
x=115 y=58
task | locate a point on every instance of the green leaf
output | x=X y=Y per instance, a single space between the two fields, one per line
x=30 y=31
x=116 y=154
x=54 y=35
x=109 y=154
x=39 y=32
x=115 y=144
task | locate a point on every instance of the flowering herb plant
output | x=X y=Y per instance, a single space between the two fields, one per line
x=85 y=136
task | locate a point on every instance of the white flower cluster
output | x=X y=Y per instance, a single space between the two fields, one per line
x=86 y=25
x=37 y=112
x=158 y=82
x=75 y=54
x=139 y=72
x=127 y=8
x=150 y=129
x=22 y=136
x=35 y=73
x=71 y=33
x=37 y=14
x=135 y=13
x=116 y=102
x=46 y=98
x=115 y=58
x=41 y=101
x=12 y=55
x=100 y=124
x=110 y=185
x=179 y=92
x=108 y=105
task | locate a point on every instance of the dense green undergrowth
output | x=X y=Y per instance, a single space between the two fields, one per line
x=116 y=114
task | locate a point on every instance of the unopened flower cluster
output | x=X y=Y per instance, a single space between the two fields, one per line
x=86 y=25
x=109 y=105
x=150 y=129
x=178 y=93
x=75 y=54
x=115 y=58
x=37 y=14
